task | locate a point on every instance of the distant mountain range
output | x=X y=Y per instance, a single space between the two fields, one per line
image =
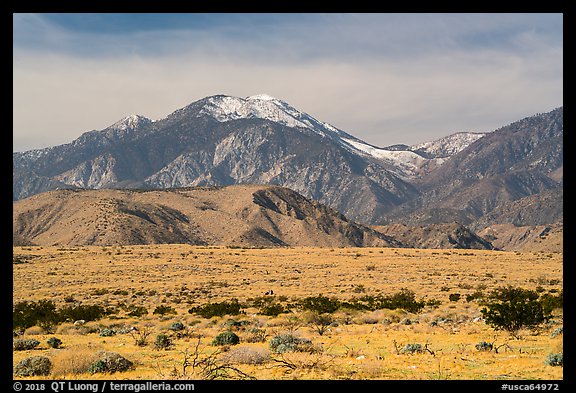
x=513 y=174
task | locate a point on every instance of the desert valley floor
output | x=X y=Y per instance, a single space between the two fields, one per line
x=356 y=345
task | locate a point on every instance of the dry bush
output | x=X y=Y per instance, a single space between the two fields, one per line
x=246 y=355
x=371 y=369
x=34 y=331
x=73 y=361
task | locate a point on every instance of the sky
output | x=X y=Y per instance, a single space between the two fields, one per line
x=385 y=78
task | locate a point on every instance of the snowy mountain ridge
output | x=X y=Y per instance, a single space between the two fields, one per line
x=404 y=163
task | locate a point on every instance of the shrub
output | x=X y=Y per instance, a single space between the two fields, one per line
x=484 y=346
x=320 y=304
x=54 y=342
x=107 y=333
x=404 y=299
x=272 y=310
x=110 y=362
x=511 y=309
x=24 y=345
x=412 y=348
x=163 y=310
x=82 y=312
x=320 y=322
x=454 y=297
x=163 y=342
x=226 y=338
x=554 y=359
x=557 y=332
x=289 y=343
x=137 y=311
x=220 y=309
x=28 y=313
x=551 y=302
x=177 y=326
x=33 y=366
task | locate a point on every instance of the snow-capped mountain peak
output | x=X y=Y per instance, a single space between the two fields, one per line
x=130 y=122
x=262 y=97
x=263 y=106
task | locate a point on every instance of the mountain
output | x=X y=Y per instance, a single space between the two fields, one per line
x=438 y=236
x=526 y=238
x=513 y=174
x=219 y=141
x=233 y=216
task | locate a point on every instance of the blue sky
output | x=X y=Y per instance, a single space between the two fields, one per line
x=385 y=78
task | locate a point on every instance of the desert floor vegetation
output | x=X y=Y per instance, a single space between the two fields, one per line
x=186 y=312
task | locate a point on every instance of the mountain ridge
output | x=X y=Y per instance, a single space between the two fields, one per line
x=223 y=140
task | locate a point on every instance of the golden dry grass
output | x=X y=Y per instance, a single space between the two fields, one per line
x=362 y=346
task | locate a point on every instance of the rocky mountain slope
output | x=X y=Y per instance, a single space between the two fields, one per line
x=439 y=236
x=222 y=140
x=511 y=175
x=233 y=216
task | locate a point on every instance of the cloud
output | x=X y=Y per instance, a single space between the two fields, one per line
x=384 y=78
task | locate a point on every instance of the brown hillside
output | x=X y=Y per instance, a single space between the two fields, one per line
x=237 y=216
x=535 y=238
x=450 y=235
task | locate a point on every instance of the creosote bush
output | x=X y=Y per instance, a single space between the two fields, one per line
x=163 y=310
x=220 y=309
x=54 y=342
x=510 y=309
x=226 y=338
x=163 y=342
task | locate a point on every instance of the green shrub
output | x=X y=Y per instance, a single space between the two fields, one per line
x=177 y=326
x=28 y=313
x=272 y=310
x=289 y=343
x=110 y=362
x=554 y=359
x=107 y=333
x=137 y=311
x=412 y=348
x=54 y=342
x=454 y=297
x=163 y=342
x=320 y=304
x=484 y=346
x=226 y=338
x=33 y=366
x=551 y=302
x=210 y=310
x=24 y=345
x=511 y=309
x=82 y=312
x=404 y=299
x=163 y=310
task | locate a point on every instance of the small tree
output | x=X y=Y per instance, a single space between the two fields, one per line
x=511 y=309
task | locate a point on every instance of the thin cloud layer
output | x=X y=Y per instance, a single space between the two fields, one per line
x=386 y=78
